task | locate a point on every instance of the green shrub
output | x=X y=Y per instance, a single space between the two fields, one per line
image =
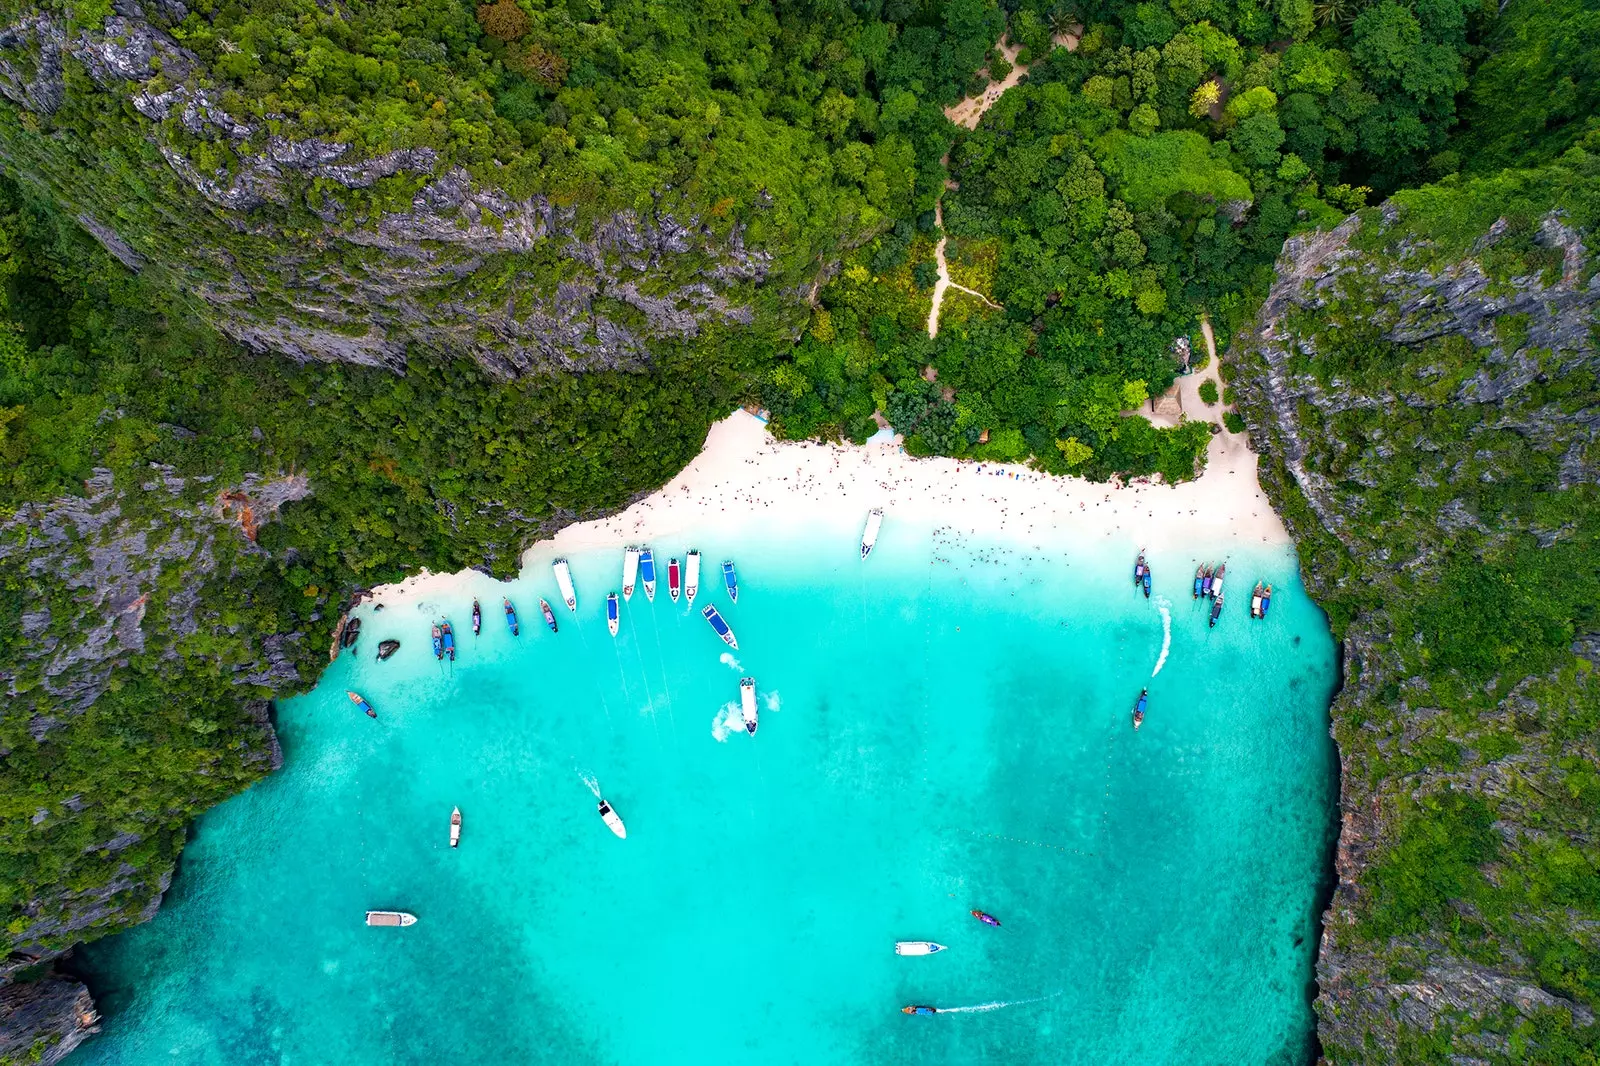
x=1208 y=391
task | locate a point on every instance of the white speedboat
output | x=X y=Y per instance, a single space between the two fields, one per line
x=455 y=828
x=747 y=703
x=612 y=820
x=647 y=573
x=564 y=583
x=611 y=613
x=630 y=572
x=691 y=584
x=390 y=919
x=917 y=947
x=869 y=537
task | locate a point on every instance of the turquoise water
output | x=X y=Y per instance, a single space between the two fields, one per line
x=944 y=727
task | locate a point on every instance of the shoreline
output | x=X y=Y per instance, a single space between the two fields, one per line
x=746 y=481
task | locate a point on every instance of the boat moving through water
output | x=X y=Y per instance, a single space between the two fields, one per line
x=917 y=947
x=630 y=572
x=730 y=579
x=691 y=583
x=564 y=583
x=1138 y=708
x=455 y=828
x=916 y=1008
x=986 y=918
x=720 y=626
x=869 y=536
x=361 y=705
x=647 y=573
x=747 y=703
x=611 y=613
x=674 y=579
x=549 y=615
x=613 y=820
x=511 y=619
x=390 y=919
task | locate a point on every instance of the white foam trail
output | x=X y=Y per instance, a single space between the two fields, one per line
x=729 y=719
x=772 y=701
x=1163 y=605
x=594 y=785
x=997 y=1005
x=731 y=663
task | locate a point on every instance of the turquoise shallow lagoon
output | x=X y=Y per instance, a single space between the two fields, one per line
x=944 y=727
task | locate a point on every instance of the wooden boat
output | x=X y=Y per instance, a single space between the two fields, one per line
x=477 y=618
x=438 y=641
x=986 y=918
x=390 y=919
x=387 y=648
x=511 y=619
x=612 y=619
x=711 y=615
x=613 y=820
x=747 y=704
x=917 y=947
x=691 y=584
x=1138 y=709
x=674 y=579
x=1138 y=570
x=1199 y=579
x=1147 y=582
x=361 y=705
x=549 y=615
x=1216 y=580
x=1266 y=601
x=1255 y=601
x=1205 y=584
x=1216 y=609
x=449 y=637
x=919 y=1008
x=455 y=827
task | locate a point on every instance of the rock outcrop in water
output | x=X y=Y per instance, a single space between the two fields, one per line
x=1422 y=382
x=42 y=1021
x=302 y=245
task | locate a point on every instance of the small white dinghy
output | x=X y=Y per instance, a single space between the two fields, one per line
x=455 y=828
x=747 y=704
x=613 y=820
x=917 y=947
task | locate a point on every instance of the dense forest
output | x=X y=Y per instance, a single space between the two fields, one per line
x=521 y=254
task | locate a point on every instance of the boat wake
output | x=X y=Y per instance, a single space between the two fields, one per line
x=729 y=719
x=731 y=663
x=1164 y=606
x=772 y=701
x=594 y=785
x=997 y=1005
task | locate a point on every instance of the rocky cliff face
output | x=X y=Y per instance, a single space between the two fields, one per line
x=309 y=248
x=1428 y=413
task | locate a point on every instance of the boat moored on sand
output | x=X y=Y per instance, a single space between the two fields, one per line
x=869 y=536
x=564 y=583
x=1138 y=709
x=511 y=618
x=549 y=615
x=647 y=573
x=674 y=580
x=455 y=827
x=747 y=703
x=691 y=581
x=612 y=619
x=731 y=580
x=917 y=947
x=477 y=618
x=630 y=571
x=390 y=919
x=721 y=627
x=613 y=820
x=361 y=705
x=986 y=918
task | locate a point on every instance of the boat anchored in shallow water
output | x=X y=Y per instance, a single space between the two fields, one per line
x=455 y=828
x=691 y=582
x=1255 y=601
x=731 y=580
x=613 y=820
x=1138 y=570
x=720 y=626
x=1199 y=579
x=549 y=615
x=390 y=919
x=1266 y=600
x=917 y=947
x=1138 y=708
x=477 y=618
x=1216 y=609
x=630 y=572
x=869 y=536
x=647 y=573
x=511 y=619
x=612 y=618
x=1216 y=581
x=986 y=918
x=564 y=583
x=747 y=704
x=674 y=580
x=361 y=705
x=438 y=641
x=448 y=637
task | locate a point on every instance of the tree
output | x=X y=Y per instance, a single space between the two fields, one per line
x=503 y=20
x=1204 y=98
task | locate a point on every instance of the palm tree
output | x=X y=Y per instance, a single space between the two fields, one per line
x=1340 y=12
x=1063 y=20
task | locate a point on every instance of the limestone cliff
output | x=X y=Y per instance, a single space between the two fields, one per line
x=1424 y=384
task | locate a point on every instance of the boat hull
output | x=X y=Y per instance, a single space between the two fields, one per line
x=731 y=581
x=564 y=583
x=613 y=821
x=691 y=584
x=917 y=947
x=612 y=616
x=630 y=572
x=455 y=828
x=747 y=705
x=390 y=919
